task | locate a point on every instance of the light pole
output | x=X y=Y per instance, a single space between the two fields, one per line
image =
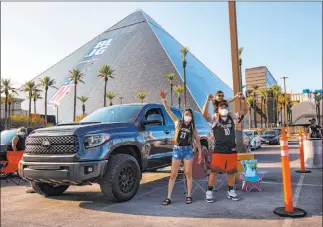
x=56 y=105
x=120 y=99
x=235 y=69
x=285 y=106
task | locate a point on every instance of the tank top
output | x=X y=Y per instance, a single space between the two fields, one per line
x=185 y=133
x=21 y=144
x=224 y=133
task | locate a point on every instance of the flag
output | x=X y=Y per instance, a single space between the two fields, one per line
x=61 y=92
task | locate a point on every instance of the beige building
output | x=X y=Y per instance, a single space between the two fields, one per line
x=15 y=108
x=261 y=77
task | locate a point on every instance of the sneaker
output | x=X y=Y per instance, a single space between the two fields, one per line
x=209 y=196
x=233 y=195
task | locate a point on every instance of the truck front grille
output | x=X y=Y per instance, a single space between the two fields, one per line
x=52 y=145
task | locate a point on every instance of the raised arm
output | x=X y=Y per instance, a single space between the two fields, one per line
x=205 y=112
x=238 y=95
x=168 y=110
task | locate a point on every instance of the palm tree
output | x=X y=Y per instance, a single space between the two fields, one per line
x=35 y=97
x=265 y=92
x=281 y=101
x=141 y=96
x=77 y=77
x=170 y=77
x=255 y=88
x=29 y=87
x=47 y=83
x=111 y=96
x=261 y=105
x=121 y=98
x=276 y=91
x=11 y=100
x=250 y=101
x=83 y=99
x=317 y=98
x=179 y=89
x=105 y=73
x=184 y=51
x=6 y=88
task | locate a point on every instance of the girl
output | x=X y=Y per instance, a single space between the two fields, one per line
x=183 y=150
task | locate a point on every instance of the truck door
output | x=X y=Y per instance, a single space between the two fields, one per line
x=157 y=136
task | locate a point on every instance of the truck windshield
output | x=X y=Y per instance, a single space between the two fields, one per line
x=114 y=114
x=7 y=136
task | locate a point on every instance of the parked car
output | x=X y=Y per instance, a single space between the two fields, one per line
x=278 y=130
x=270 y=137
x=111 y=146
x=6 y=137
x=255 y=139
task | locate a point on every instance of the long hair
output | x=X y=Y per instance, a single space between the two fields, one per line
x=179 y=126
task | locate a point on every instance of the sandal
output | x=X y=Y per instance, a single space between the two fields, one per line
x=166 y=202
x=188 y=200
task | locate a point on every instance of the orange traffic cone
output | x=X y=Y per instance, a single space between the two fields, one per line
x=302 y=137
x=289 y=210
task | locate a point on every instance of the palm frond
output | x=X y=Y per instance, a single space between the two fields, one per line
x=83 y=99
x=178 y=89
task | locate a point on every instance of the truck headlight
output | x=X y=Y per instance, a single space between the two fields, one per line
x=95 y=140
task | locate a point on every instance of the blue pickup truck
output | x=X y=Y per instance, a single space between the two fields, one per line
x=111 y=146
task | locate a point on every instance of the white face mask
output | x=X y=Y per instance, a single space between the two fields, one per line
x=224 y=112
x=187 y=119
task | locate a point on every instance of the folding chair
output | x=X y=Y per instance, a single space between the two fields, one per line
x=200 y=172
x=9 y=173
x=251 y=178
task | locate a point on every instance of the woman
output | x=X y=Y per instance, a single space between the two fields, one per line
x=183 y=150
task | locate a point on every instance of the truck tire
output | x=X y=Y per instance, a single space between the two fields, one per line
x=121 y=180
x=46 y=189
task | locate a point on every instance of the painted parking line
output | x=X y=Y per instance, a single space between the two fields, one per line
x=313 y=185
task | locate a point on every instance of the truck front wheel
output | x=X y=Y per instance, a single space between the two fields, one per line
x=46 y=189
x=122 y=178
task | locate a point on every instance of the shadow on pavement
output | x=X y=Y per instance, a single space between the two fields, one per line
x=253 y=205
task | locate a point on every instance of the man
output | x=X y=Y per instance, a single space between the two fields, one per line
x=314 y=130
x=224 y=157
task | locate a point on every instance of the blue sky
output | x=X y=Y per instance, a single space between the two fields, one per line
x=285 y=37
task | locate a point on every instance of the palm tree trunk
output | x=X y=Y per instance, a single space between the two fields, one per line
x=261 y=113
x=179 y=101
x=171 y=93
x=46 y=88
x=83 y=109
x=34 y=106
x=277 y=113
x=254 y=111
x=281 y=115
x=184 y=67
x=9 y=104
x=29 y=118
x=105 y=92
x=267 y=113
x=74 y=111
x=5 y=112
x=110 y=102
x=249 y=115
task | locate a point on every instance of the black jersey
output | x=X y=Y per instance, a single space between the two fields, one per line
x=216 y=105
x=224 y=133
x=185 y=135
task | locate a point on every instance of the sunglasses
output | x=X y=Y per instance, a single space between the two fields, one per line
x=220 y=95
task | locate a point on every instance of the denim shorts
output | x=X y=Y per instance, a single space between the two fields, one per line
x=182 y=152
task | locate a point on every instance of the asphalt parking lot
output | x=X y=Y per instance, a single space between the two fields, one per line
x=85 y=206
